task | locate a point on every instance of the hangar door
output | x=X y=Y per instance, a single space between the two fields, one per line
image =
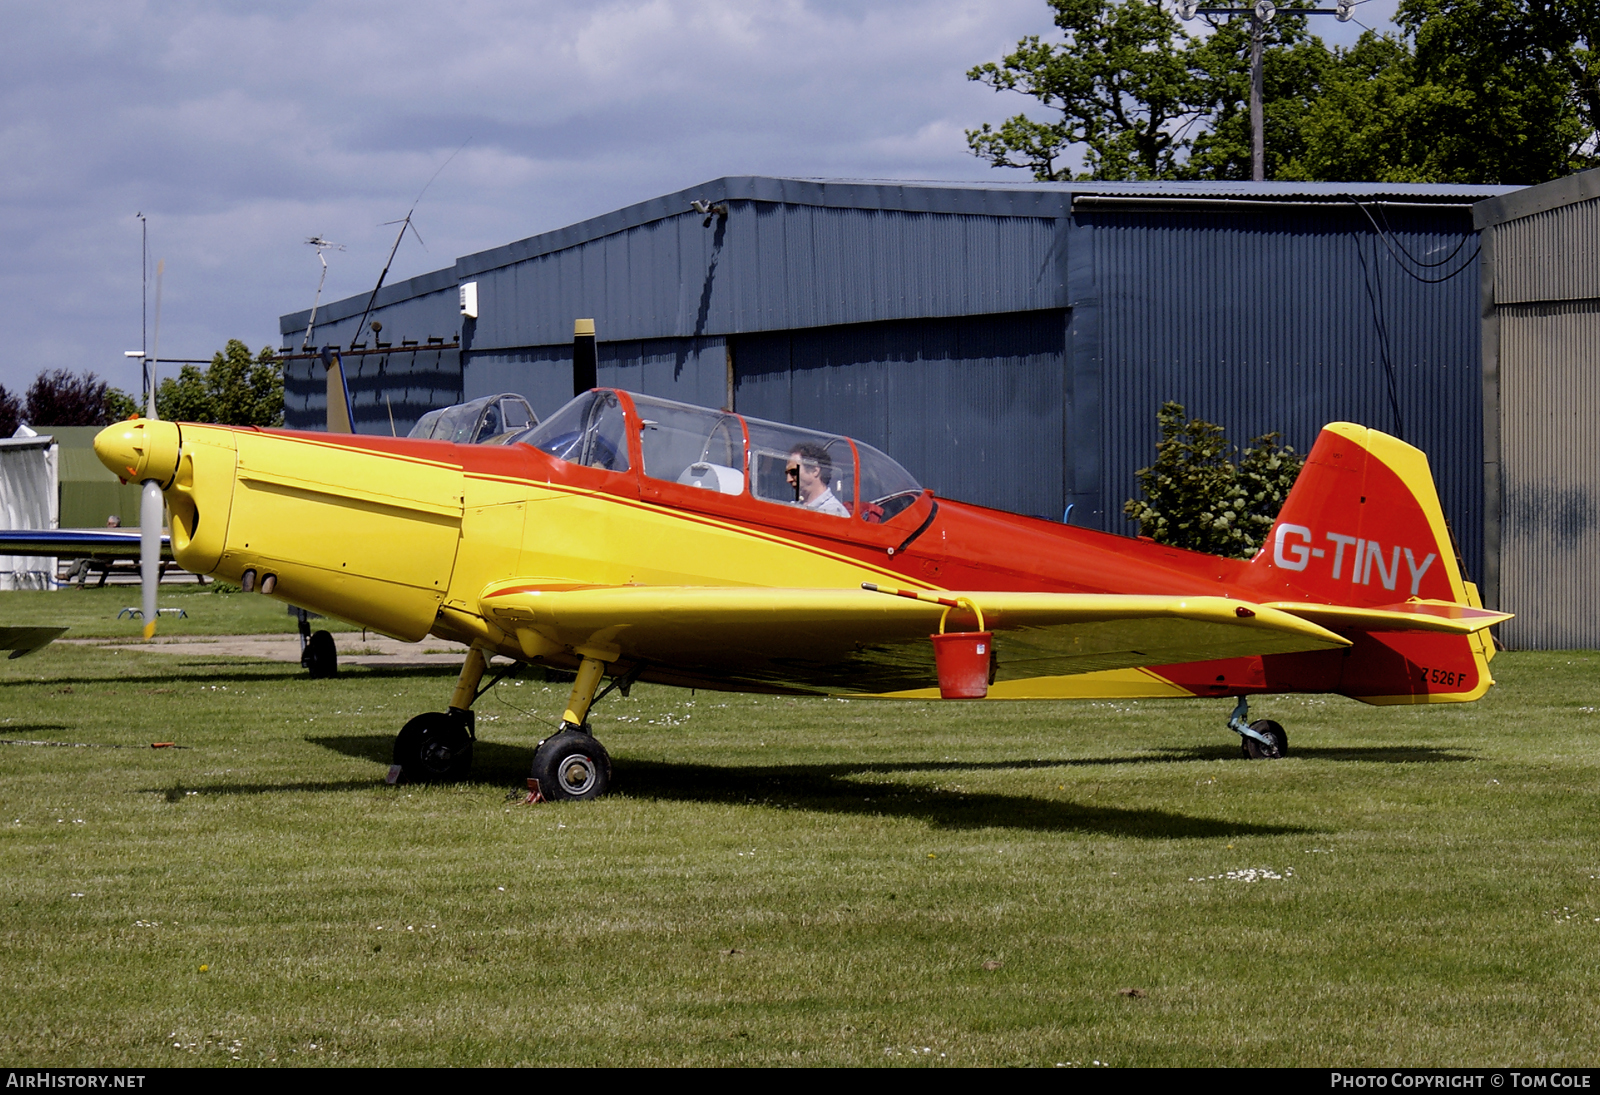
x=1549 y=410
x=973 y=406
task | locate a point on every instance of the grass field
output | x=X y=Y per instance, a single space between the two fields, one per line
x=778 y=881
x=208 y=610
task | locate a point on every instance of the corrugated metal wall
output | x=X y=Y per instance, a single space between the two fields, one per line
x=692 y=370
x=769 y=266
x=1546 y=317
x=409 y=381
x=1284 y=320
x=386 y=390
x=1550 y=416
x=1551 y=255
x=971 y=406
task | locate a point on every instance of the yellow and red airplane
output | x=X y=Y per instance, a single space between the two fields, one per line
x=640 y=539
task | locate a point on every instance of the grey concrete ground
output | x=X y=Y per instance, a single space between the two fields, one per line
x=354 y=649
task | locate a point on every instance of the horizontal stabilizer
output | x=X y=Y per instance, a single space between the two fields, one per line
x=844 y=640
x=1418 y=615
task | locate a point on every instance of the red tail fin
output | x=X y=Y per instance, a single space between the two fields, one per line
x=1363 y=527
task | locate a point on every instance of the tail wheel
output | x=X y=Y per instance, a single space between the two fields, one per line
x=433 y=748
x=1276 y=746
x=570 y=765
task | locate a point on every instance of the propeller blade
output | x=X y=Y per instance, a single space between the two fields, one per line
x=150 y=513
x=150 y=502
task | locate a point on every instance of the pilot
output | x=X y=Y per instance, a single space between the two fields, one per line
x=810 y=472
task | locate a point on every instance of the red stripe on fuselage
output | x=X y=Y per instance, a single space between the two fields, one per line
x=967 y=546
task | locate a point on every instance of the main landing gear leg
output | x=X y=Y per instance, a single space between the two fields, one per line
x=437 y=746
x=1259 y=740
x=571 y=764
x=466 y=692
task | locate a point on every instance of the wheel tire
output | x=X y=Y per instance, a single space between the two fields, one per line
x=321 y=658
x=433 y=748
x=1276 y=734
x=572 y=766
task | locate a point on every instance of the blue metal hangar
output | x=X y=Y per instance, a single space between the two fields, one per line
x=1009 y=344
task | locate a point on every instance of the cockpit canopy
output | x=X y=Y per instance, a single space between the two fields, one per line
x=487 y=421
x=728 y=453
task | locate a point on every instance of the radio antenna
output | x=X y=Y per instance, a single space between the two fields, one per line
x=404 y=223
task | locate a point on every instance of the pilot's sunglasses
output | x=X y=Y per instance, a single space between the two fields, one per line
x=793 y=471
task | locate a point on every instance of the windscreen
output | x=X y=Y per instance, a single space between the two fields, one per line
x=886 y=487
x=590 y=431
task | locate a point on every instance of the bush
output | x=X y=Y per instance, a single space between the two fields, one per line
x=1196 y=497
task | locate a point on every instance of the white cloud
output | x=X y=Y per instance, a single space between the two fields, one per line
x=240 y=130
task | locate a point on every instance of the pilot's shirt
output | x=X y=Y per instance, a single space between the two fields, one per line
x=825 y=502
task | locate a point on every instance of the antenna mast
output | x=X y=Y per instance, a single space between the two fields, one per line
x=321 y=245
x=404 y=223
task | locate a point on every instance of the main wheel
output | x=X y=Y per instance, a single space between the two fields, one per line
x=1277 y=741
x=571 y=765
x=320 y=656
x=433 y=748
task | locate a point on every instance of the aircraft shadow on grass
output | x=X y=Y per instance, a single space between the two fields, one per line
x=271 y=672
x=1396 y=754
x=178 y=791
x=830 y=788
x=1369 y=754
x=14 y=731
x=837 y=788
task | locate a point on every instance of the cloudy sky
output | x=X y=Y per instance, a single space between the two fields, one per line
x=240 y=129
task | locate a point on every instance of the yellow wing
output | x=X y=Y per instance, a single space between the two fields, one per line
x=844 y=640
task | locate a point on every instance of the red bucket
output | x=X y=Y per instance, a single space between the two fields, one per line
x=962 y=659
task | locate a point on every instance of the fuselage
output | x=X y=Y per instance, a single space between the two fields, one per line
x=403 y=536
x=389 y=532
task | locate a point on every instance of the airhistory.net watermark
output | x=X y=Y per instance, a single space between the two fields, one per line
x=61 y=1078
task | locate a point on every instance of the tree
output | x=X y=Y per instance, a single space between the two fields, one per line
x=1469 y=91
x=1475 y=91
x=10 y=412
x=1123 y=84
x=1295 y=67
x=1196 y=497
x=1496 y=90
x=184 y=398
x=235 y=390
x=58 y=397
x=120 y=405
x=1360 y=128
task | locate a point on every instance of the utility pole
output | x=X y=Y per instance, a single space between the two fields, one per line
x=144 y=306
x=1258 y=135
x=1261 y=14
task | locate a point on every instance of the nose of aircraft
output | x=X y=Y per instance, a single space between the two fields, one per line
x=140 y=449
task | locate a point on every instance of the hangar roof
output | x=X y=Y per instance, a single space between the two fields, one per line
x=999 y=199
x=1528 y=200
